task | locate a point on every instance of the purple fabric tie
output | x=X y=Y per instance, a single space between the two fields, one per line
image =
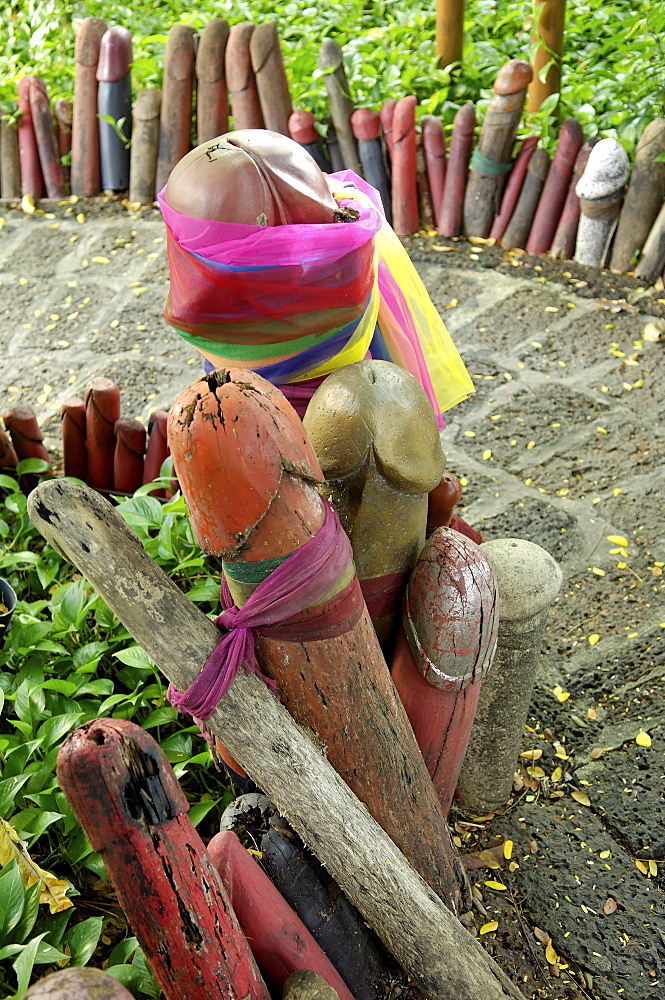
x=303 y=579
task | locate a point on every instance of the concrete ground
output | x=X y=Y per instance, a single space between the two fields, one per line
x=562 y=444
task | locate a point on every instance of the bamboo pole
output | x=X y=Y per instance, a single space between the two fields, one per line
x=449 y=31
x=549 y=17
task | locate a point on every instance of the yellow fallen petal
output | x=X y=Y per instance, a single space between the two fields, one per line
x=593 y=639
x=495 y=885
x=642 y=867
x=491 y=926
x=550 y=954
x=617 y=540
x=643 y=739
x=28 y=204
x=101 y=260
x=487 y=454
x=508 y=850
x=653 y=868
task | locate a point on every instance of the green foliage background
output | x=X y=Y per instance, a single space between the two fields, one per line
x=614 y=63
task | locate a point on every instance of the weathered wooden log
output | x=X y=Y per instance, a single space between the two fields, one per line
x=653 y=254
x=492 y=157
x=387 y=113
x=10 y=169
x=268 y=64
x=425 y=205
x=336 y=925
x=366 y=127
x=513 y=187
x=102 y=409
x=563 y=244
x=374 y=433
x=212 y=96
x=600 y=190
x=85 y=176
x=145 y=143
x=175 y=124
x=73 y=430
x=157 y=450
x=549 y=20
x=32 y=178
x=126 y=797
x=42 y=121
x=446 y=646
x=302 y=131
x=449 y=222
x=8 y=456
x=644 y=197
x=245 y=103
x=556 y=187
x=434 y=146
x=248 y=479
x=528 y=580
x=306 y=985
x=414 y=924
x=279 y=940
x=406 y=218
x=62 y=110
x=78 y=984
x=517 y=230
x=128 y=455
x=334 y=151
x=339 y=101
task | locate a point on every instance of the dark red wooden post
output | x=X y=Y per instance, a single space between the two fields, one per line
x=157 y=450
x=212 y=97
x=302 y=131
x=127 y=799
x=75 y=456
x=245 y=103
x=387 y=113
x=513 y=187
x=42 y=120
x=27 y=438
x=176 y=110
x=366 y=127
x=406 y=219
x=449 y=222
x=86 y=179
x=553 y=196
x=102 y=409
x=8 y=457
x=128 y=455
x=268 y=64
x=32 y=178
x=434 y=146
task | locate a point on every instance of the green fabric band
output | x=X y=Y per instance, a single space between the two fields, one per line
x=486 y=166
x=254 y=352
x=252 y=572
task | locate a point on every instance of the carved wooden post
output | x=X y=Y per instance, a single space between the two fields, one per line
x=279 y=940
x=32 y=179
x=128 y=455
x=425 y=205
x=102 y=409
x=8 y=456
x=339 y=100
x=492 y=158
x=334 y=150
x=157 y=450
x=268 y=64
x=126 y=797
x=449 y=222
x=600 y=190
x=145 y=143
x=375 y=435
x=653 y=260
x=555 y=189
x=176 y=112
x=62 y=110
x=387 y=113
x=549 y=20
x=10 y=170
x=517 y=230
x=26 y=435
x=301 y=129
x=434 y=146
x=513 y=187
x=366 y=127
x=643 y=199
x=212 y=97
x=406 y=219
x=245 y=104
x=563 y=244
x=42 y=120
x=445 y=648
x=441 y=502
x=247 y=471
x=72 y=418
x=114 y=99
x=85 y=170
x=449 y=31
x=78 y=984
x=528 y=580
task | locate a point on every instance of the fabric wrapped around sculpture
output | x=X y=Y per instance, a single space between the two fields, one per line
x=295 y=302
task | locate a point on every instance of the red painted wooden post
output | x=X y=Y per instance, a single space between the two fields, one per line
x=42 y=120
x=449 y=222
x=27 y=438
x=62 y=110
x=86 y=178
x=127 y=799
x=102 y=409
x=556 y=187
x=434 y=145
x=279 y=940
x=248 y=479
x=32 y=178
x=268 y=64
x=513 y=187
x=565 y=237
x=366 y=127
x=425 y=204
x=302 y=131
x=75 y=456
x=517 y=230
x=212 y=97
x=114 y=100
x=406 y=218
x=157 y=450
x=128 y=455
x=176 y=112
x=245 y=103
x=448 y=640
x=8 y=457
x=387 y=114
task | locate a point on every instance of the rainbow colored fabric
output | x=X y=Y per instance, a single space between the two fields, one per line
x=294 y=303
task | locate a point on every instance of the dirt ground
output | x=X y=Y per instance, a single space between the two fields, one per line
x=561 y=444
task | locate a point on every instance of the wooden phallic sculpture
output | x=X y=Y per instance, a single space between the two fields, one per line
x=102 y=409
x=445 y=647
x=176 y=109
x=248 y=473
x=644 y=197
x=212 y=98
x=302 y=131
x=62 y=110
x=42 y=120
x=492 y=158
x=434 y=147
x=449 y=222
x=366 y=127
x=268 y=64
x=406 y=219
x=563 y=243
x=555 y=189
x=32 y=178
x=339 y=100
x=600 y=190
x=375 y=436
x=145 y=144
x=85 y=177
x=513 y=187
x=10 y=170
x=517 y=230
x=245 y=102
x=114 y=101
x=73 y=430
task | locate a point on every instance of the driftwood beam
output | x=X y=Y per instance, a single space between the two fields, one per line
x=414 y=924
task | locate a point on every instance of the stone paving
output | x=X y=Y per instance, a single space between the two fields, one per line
x=561 y=444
